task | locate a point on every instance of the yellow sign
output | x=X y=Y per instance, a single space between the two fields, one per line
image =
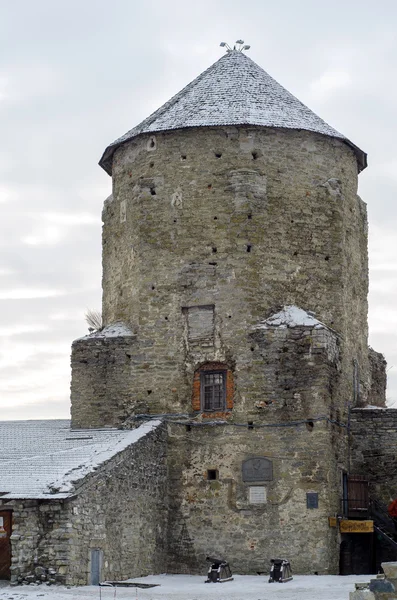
x=347 y=526
x=332 y=521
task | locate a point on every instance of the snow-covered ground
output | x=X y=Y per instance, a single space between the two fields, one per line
x=187 y=587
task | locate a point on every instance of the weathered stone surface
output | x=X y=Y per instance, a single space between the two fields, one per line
x=217 y=518
x=381 y=586
x=378 y=378
x=208 y=232
x=390 y=570
x=101 y=384
x=264 y=218
x=374 y=442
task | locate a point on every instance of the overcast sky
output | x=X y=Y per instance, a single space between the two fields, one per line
x=76 y=74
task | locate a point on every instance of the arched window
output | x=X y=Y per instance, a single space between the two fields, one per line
x=213 y=388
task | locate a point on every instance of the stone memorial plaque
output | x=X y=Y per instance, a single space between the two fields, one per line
x=312 y=500
x=257 y=469
x=257 y=494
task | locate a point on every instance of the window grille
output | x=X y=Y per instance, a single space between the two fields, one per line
x=213 y=390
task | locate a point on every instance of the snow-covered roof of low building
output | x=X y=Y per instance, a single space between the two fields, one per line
x=233 y=91
x=44 y=459
x=290 y=316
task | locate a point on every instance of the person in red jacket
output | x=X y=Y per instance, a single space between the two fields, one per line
x=392 y=509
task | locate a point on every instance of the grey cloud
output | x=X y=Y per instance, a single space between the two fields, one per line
x=47 y=408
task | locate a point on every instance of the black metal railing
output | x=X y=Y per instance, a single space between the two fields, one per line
x=381 y=517
x=384 y=524
x=355 y=507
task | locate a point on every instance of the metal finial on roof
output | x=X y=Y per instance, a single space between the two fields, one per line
x=238 y=46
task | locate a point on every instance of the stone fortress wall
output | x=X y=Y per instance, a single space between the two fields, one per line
x=374 y=444
x=237 y=253
x=208 y=231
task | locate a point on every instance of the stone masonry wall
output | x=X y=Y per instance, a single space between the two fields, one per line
x=121 y=510
x=378 y=378
x=39 y=540
x=217 y=518
x=101 y=387
x=208 y=232
x=235 y=222
x=374 y=444
x=296 y=370
x=286 y=425
x=25 y=536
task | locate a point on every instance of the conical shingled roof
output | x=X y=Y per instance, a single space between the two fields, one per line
x=233 y=91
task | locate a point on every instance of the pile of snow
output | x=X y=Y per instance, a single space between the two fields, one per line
x=188 y=587
x=291 y=316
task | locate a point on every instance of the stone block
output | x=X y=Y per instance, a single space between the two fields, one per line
x=390 y=569
x=381 y=586
x=362 y=595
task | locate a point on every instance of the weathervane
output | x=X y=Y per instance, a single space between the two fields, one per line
x=238 y=46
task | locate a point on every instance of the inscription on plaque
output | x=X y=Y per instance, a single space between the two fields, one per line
x=257 y=494
x=347 y=526
x=257 y=469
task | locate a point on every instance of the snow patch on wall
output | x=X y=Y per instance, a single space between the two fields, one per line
x=118 y=329
x=291 y=316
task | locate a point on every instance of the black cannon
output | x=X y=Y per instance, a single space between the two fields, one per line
x=280 y=570
x=219 y=570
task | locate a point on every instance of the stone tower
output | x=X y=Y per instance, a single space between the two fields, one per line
x=235 y=306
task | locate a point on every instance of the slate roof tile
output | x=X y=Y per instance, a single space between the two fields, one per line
x=44 y=459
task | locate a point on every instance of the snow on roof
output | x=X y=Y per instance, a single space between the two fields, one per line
x=118 y=329
x=373 y=407
x=43 y=459
x=290 y=316
x=233 y=91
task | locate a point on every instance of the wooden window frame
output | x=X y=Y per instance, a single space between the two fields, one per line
x=196 y=389
x=203 y=375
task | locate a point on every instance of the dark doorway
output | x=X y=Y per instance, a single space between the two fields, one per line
x=356 y=554
x=345 y=558
x=5 y=544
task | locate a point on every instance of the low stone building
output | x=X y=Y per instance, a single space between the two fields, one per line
x=72 y=501
x=235 y=280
